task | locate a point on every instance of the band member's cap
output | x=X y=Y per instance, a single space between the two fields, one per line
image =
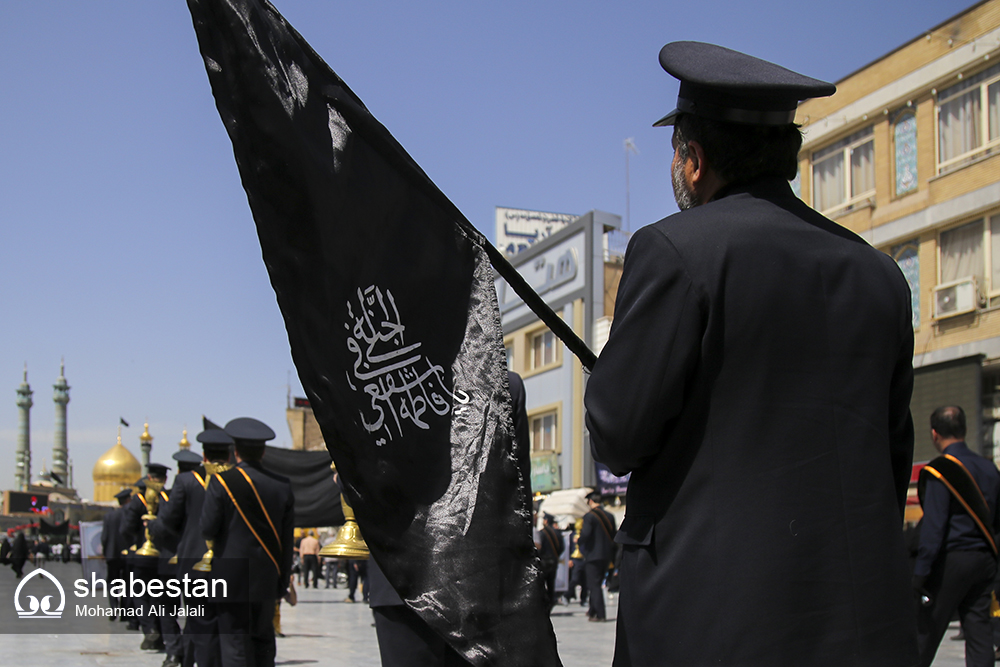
x=214 y=441
x=187 y=456
x=721 y=84
x=249 y=431
x=158 y=469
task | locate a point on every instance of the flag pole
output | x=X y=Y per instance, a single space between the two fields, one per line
x=531 y=298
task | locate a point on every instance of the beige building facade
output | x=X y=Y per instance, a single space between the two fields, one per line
x=302 y=424
x=907 y=154
x=576 y=272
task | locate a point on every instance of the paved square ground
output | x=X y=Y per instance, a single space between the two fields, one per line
x=322 y=629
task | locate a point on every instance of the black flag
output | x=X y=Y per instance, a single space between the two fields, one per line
x=387 y=295
x=208 y=425
x=317 y=496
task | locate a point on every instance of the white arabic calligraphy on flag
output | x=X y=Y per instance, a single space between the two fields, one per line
x=396 y=377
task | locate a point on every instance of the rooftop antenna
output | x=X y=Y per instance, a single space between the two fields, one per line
x=629 y=148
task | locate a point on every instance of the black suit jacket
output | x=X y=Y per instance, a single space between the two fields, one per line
x=756 y=383
x=130 y=524
x=112 y=542
x=238 y=554
x=597 y=535
x=946 y=525
x=181 y=516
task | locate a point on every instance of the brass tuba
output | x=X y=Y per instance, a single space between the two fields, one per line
x=152 y=496
x=205 y=564
x=577 y=554
x=349 y=543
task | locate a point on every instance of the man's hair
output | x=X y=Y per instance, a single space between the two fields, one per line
x=251 y=453
x=949 y=421
x=738 y=152
x=215 y=456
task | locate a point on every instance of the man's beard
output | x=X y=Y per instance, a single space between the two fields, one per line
x=684 y=196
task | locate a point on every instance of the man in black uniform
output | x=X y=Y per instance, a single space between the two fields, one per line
x=598 y=549
x=956 y=558
x=114 y=546
x=170 y=527
x=145 y=567
x=404 y=639
x=550 y=546
x=249 y=514
x=182 y=515
x=756 y=384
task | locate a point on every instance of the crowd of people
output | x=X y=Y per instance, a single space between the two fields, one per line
x=18 y=549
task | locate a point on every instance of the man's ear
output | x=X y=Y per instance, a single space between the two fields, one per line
x=699 y=166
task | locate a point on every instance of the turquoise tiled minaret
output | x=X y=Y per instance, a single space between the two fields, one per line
x=22 y=455
x=60 y=453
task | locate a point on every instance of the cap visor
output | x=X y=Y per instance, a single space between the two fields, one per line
x=668 y=119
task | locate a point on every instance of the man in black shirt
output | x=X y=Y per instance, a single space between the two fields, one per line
x=598 y=548
x=956 y=558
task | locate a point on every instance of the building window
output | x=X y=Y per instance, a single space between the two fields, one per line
x=907 y=256
x=510 y=356
x=544 y=431
x=844 y=173
x=972 y=250
x=905 y=140
x=964 y=130
x=961 y=251
x=543 y=349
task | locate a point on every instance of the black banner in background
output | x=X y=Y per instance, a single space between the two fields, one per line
x=388 y=300
x=317 y=496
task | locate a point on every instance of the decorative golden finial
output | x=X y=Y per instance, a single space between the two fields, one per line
x=185 y=443
x=146 y=437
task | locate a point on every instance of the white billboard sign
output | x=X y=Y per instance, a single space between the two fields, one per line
x=517 y=229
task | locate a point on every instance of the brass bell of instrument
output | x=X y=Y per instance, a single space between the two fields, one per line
x=152 y=496
x=205 y=564
x=576 y=550
x=349 y=543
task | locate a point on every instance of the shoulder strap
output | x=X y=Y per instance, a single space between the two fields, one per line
x=201 y=480
x=962 y=485
x=552 y=541
x=243 y=493
x=603 y=520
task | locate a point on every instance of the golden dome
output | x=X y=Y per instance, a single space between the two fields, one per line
x=115 y=470
x=185 y=443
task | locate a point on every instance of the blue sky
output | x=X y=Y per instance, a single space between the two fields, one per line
x=128 y=245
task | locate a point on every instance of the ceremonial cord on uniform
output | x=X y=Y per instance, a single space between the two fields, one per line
x=201 y=480
x=266 y=515
x=247 y=521
x=958 y=496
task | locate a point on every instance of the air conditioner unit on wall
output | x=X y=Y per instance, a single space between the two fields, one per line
x=955 y=298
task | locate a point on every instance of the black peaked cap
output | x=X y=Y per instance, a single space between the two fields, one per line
x=214 y=436
x=158 y=469
x=249 y=431
x=721 y=84
x=187 y=456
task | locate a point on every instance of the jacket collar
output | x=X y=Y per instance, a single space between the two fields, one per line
x=768 y=187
